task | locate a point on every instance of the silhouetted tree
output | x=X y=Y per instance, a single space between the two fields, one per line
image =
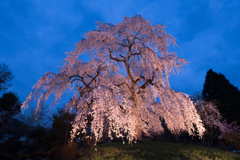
x=10 y=102
x=62 y=124
x=40 y=118
x=9 y=106
x=5 y=77
x=219 y=90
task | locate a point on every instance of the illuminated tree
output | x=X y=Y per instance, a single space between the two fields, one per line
x=124 y=86
x=212 y=120
x=215 y=125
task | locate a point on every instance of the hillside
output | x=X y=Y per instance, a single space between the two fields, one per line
x=156 y=150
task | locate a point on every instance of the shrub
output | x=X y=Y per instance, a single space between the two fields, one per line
x=232 y=139
x=53 y=153
x=37 y=133
x=66 y=152
x=69 y=151
x=6 y=156
x=10 y=146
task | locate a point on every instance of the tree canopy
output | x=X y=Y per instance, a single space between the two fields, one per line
x=5 y=77
x=10 y=103
x=62 y=124
x=226 y=96
x=124 y=86
x=9 y=106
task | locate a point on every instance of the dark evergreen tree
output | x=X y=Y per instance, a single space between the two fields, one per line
x=9 y=106
x=10 y=102
x=219 y=90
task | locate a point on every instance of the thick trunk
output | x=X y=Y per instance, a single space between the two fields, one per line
x=138 y=128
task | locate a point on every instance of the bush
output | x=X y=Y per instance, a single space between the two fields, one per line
x=69 y=151
x=65 y=152
x=10 y=146
x=233 y=140
x=37 y=133
x=6 y=156
x=53 y=153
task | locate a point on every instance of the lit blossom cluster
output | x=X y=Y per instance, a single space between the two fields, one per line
x=124 y=86
x=209 y=114
x=212 y=118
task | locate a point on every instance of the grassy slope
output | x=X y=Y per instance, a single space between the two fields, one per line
x=155 y=150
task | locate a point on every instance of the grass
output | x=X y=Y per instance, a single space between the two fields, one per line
x=155 y=150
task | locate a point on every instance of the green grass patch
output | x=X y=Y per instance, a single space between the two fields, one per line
x=155 y=150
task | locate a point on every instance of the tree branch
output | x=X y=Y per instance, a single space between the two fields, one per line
x=80 y=78
x=118 y=60
x=124 y=83
x=134 y=38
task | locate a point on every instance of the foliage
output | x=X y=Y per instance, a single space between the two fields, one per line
x=10 y=146
x=69 y=151
x=10 y=103
x=229 y=128
x=33 y=118
x=226 y=96
x=62 y=124
x=66 y=152
x=9 y=106
x=6 y=156
x=124 y=86
x=5 y=77
x=212 y=121
x=232 y=139
x=15 y=128
x=14 y=149
x=216 y=126
x=37 y=133
x=154 y=150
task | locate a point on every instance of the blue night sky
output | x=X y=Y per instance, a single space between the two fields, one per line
x=35 y=34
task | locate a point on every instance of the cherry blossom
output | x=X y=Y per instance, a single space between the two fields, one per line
x=124 y=86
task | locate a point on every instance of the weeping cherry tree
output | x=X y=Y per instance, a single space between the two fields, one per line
x=124 y=86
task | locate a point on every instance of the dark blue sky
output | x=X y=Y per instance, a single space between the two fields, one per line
x=35 y=34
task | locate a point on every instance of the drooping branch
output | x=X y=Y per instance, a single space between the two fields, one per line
x=80 y=78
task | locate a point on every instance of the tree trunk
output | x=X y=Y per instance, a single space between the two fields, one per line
x=138 y=128
x=66 y=135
